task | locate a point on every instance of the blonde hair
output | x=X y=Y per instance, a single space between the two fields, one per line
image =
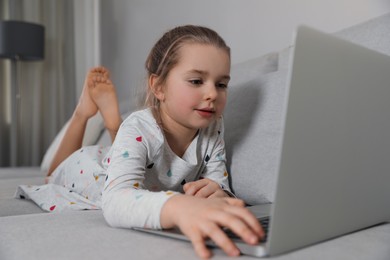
x=165 y=54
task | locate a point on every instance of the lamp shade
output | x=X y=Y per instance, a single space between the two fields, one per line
x=21 y=40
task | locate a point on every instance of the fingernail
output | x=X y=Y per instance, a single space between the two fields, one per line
x=253 y=239
x=236 y=252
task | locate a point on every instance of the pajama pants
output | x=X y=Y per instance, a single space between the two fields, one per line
x=76 y=184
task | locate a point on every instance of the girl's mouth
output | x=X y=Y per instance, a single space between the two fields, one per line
x=205 y=112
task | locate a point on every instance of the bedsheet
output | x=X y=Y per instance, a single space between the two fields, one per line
x=85 y=235
x=10 y=178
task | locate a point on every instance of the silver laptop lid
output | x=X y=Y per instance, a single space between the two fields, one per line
x=334 y=174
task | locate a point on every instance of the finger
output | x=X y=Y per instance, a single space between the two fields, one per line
x=252 y=225
x=199 y=245
x=197 y=240
x=193 y=187
x=185 y=186
x=235 y=202
x=211 y=192
x=241 y=229
x=220 y=238
x=205 y=192
x=218 y=194
x=208 y=189
x=240 y=211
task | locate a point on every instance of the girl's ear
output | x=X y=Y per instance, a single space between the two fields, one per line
x=156 y=88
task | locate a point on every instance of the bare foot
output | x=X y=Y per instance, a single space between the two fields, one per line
x=103 y=94
x=86 y=107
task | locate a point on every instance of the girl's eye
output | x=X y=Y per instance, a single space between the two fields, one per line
x=196 y=81
x=222 y=85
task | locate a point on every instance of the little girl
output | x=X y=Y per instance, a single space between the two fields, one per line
x=166 y=167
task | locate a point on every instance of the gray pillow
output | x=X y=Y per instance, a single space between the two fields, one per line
x=253 y=117
x=253 y=129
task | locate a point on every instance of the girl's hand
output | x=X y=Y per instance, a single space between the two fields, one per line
x=200 y=219
x=204 y=188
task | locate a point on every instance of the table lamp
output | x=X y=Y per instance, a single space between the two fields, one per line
x=19 y=41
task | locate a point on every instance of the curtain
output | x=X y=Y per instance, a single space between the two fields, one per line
x=47 y=89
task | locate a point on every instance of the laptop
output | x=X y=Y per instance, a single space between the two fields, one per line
x=334 y=170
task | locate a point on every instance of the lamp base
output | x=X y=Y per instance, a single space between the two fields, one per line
x=14 y=115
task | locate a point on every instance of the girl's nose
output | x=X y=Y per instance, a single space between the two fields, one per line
x=211 y=92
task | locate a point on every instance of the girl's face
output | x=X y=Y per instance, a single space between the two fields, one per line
x=195 y=91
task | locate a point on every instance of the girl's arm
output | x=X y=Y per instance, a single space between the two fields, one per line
x=126 y=202
x=214 y=180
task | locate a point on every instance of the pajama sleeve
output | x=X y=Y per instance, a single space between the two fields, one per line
x=215 y=159
x=125 y=201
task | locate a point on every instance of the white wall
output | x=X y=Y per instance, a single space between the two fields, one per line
x=87 y=39
x=251 y=28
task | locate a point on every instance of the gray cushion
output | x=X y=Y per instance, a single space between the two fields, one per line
x=253 y=116
x=253 y=131
x=14 y=207
x=85 y=235
x=8 y=186
x=10 y=179
x=373 y=34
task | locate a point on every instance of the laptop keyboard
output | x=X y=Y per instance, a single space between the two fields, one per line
x=264 y=222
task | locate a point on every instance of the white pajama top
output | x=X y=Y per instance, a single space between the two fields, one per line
x=132 y=180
